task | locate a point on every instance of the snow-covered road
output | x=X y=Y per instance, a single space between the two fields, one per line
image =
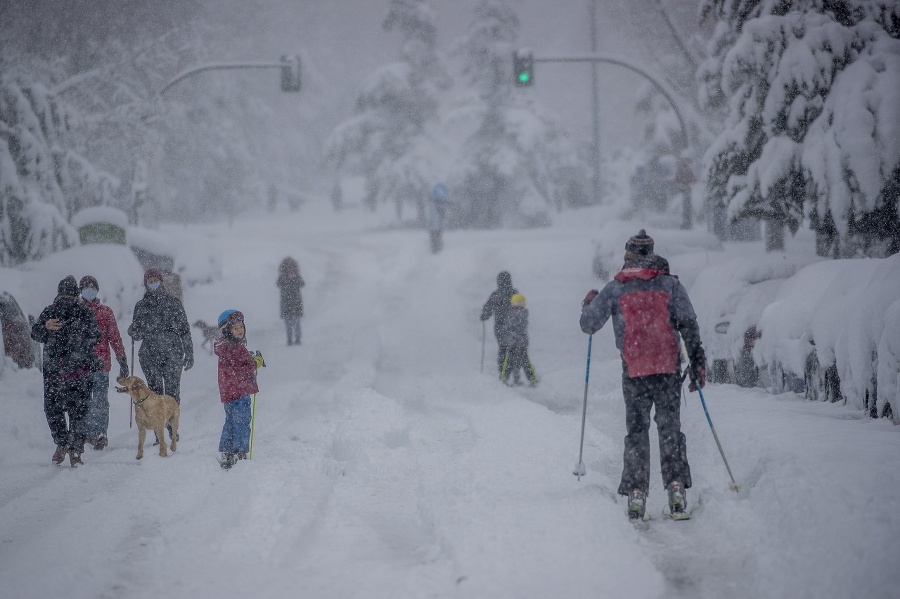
x=385 y=463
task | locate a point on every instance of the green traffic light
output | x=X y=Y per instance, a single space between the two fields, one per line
x=524 y=77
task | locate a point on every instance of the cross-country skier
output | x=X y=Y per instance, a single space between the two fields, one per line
x=650 y=309
x=497 y=305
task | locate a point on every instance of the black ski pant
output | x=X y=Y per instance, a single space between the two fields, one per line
x=71 y=397
x=662 y=391
x=163 y=374
x=516 y=360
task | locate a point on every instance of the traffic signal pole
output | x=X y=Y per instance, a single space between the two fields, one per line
x=657 y=82
x=290 y=71
x=594 y=59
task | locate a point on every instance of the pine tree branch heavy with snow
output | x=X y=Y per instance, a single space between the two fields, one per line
x=813 y=106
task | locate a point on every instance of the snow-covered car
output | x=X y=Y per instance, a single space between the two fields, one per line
x=838 y=323
x=184 y=260
x=729 y=297
x=15 y=334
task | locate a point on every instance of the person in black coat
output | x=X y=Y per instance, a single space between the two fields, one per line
x=161 y=325
x=69 y=332
x=290 y=282
x=498 y=306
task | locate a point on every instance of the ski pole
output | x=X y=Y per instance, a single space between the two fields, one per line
x=483 y=334
x=252 y=426
x=579 y=467
x=733 y=486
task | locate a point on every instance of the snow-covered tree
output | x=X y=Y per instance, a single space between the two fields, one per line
x=391 y=137
x=812 y=90
x=515 y=160
x=42 y=180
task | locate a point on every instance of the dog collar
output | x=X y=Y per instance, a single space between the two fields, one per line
x=137 y=403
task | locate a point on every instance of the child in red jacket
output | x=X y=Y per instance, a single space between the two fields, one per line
x=237 y=381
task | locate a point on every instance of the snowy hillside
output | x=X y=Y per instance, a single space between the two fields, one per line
x=386 y=464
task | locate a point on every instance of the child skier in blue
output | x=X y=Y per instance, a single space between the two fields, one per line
x=237 y=381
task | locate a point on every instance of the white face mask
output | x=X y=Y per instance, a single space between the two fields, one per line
x=89 y=294
x=153 y=286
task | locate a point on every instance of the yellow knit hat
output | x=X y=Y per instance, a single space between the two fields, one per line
x=517 y=300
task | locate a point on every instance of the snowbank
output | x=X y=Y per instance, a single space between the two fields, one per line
x=114 y=266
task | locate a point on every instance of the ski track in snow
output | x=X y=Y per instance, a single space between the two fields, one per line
x=386 y=465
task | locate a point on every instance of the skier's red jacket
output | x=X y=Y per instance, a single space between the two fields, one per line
x=649 y=308
x=109 y=333
x=237 y=370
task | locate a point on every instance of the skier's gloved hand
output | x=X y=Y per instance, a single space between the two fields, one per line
x=698 y=377
x=188 y=362
x=123 y=367
x=258 y=359
x=589 y=297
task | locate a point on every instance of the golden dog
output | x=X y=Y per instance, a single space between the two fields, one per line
x=151 y=411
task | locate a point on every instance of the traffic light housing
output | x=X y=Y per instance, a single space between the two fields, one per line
x=290 y=73
x=523 y=68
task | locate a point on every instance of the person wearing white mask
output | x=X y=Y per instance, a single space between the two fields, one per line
x=98 y=410
x=161 y=325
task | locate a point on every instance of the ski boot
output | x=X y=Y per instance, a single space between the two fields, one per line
x=677 y=498
x=101 y=442
x=637 y=502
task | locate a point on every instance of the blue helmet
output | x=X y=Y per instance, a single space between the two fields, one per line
x=230 y=317
x=440 y=192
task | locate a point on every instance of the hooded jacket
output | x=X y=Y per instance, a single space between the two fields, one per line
x=498 y=305
x=69 y=352
x=650 y=309
x=161 y=326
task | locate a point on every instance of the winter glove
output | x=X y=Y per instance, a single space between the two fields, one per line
x=698 y=377
x=123 y=367
x=589 y=297
x=188 y=362
x=258 y=359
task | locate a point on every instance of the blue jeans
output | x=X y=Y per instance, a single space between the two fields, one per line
x=98 y=407
x=236 y=432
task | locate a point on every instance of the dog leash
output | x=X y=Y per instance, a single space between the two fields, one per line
x=131 y=409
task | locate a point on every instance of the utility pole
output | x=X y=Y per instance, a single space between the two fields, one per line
x=595 y=104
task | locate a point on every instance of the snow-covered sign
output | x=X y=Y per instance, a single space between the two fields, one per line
x=101 y=224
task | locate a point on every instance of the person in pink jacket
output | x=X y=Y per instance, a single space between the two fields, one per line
x=98 y=411
x=237 y=381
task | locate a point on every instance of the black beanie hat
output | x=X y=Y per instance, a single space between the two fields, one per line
x=641 y=244
x=504 y=279
x=68 y=286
